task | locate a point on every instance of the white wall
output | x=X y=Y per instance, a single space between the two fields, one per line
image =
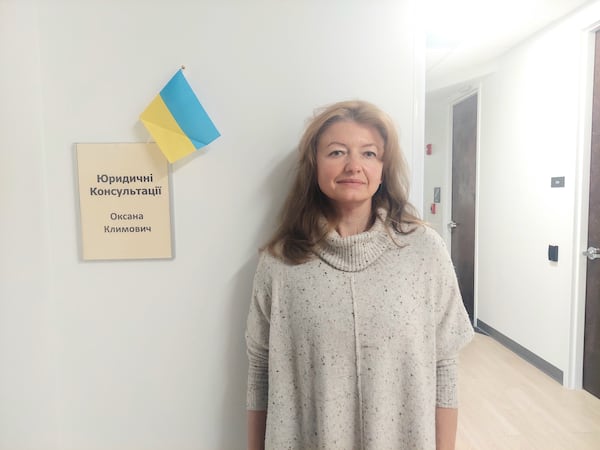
x=27 y=345
x=150 y=354
x=436 y=171
x=530 y=124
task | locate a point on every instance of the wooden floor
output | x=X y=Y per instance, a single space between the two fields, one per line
x=507 y=404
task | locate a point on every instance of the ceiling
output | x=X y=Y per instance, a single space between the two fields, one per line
x=465 y=34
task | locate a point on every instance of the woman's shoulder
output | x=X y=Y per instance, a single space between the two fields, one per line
x=272 y=264
x=268 y=270
x=420 y=236
x=268 y=261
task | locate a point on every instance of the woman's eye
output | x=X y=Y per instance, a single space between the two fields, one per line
x=336 y=153
x=370 y=154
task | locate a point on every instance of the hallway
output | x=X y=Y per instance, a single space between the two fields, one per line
x=507 y=404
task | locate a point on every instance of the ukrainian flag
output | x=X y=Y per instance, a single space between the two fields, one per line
x=177 y=121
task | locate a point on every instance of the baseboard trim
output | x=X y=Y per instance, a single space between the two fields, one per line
x=549 y=369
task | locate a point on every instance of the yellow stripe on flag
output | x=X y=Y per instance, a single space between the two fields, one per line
x=168 y=135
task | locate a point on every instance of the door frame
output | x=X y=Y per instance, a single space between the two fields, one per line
x=461 y=94
x=574 y=373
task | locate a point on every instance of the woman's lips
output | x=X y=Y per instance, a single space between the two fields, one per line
x=350 y=181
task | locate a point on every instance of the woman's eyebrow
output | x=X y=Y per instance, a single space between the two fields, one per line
x=336 y=143
x=369 y=144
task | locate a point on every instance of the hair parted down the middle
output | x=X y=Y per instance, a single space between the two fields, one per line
x=301 y=220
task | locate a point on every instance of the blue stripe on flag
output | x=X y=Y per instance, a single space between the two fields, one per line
x=188 y=112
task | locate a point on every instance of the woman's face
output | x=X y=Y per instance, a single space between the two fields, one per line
x=350 y=164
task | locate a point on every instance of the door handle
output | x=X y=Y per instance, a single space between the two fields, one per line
x=592 y=253
x=452 y=224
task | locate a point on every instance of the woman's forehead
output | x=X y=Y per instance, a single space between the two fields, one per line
x=350 y=132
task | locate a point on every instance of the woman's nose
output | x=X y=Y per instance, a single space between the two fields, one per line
x=352 y=164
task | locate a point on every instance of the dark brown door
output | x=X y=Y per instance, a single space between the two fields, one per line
x=464 y=146
x=591 y=352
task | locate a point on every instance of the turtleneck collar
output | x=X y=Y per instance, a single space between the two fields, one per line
x=355 y=253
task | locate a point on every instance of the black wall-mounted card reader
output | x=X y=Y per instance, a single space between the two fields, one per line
x=553 y=252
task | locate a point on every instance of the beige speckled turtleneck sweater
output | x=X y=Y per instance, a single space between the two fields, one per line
x=356 y=348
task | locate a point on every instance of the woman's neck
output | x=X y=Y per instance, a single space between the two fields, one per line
x=353 y=221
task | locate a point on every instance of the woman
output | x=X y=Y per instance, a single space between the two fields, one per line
x=356 y=318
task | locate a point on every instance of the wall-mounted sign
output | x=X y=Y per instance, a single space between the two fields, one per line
x=436 y=194
x=124 y=201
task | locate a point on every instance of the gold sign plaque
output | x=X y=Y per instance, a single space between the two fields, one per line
x=124 y=201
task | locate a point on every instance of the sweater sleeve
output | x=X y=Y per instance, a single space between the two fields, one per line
x=446 y=389
x=257 y=338
x=453 y=327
